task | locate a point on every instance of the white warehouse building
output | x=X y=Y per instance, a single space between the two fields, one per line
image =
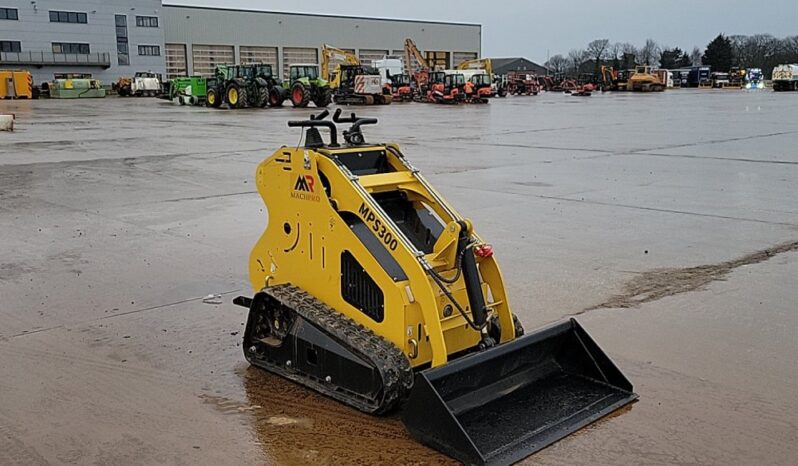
x=107 y=39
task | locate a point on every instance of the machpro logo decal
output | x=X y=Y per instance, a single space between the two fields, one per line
x=305 y=189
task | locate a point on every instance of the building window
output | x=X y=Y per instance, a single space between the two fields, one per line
x=9 y=13
x=147 y=21
x=68 y=17
x=150 y=50
x=10 y=46
x=122 y=54
x=122 y=49
x=70 y=47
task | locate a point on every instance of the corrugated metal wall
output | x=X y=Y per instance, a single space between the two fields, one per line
x=367 y=56
x=289 y=32
x=37 y=34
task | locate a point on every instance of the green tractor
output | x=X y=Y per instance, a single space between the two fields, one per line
x=303 y=86
x=241 y=86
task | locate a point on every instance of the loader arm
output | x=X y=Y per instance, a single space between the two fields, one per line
x=412 y=52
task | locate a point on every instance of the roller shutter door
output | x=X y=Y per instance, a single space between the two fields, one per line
x=294 y=55
x=437 y=60
x=367 y=57
x=266 y=55
x=176 y=60
x=460 y=57
x=206 y=57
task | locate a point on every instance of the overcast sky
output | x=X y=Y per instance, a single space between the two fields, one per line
x=535 y=29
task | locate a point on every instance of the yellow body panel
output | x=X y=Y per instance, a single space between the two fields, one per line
x=312 y=200
x=17 y=84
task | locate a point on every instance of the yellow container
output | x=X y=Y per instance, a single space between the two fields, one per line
x=16 y=84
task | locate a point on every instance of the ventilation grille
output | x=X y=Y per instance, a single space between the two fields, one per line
x=359 y=290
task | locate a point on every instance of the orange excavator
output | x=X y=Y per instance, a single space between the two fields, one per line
x=432 y=86
x=417 y=67
x=452 y=90
x=610 y=79
x=400 y=87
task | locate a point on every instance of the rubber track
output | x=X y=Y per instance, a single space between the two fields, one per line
x=393 y=366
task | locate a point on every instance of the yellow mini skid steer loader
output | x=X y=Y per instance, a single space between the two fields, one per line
x=373 y=290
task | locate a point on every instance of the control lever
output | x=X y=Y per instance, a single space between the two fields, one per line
x=313 y=136
x=354 y=135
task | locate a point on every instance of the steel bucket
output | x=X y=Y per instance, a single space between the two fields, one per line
x=498 y=406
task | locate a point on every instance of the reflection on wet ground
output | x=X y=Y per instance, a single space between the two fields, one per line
x=296 y=426
x=118 y=216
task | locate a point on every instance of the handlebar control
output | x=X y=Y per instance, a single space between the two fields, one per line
x=353 y=136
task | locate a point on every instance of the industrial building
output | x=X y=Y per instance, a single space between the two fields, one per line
x=198 y=38
x=102 y=39
x=106 y=39
x=506 y=65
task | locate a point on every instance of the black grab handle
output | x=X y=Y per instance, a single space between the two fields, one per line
x=360 y=122
x=321 y=115
x=337 y=117
x=317 y=123
x=352 y=118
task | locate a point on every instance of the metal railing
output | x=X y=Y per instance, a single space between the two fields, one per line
x=102 y=59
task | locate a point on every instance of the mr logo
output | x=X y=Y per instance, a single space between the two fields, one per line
x=305 y=183
x=304 y=189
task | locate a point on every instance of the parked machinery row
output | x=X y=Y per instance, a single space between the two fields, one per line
x=18 y=84
x=142 y=84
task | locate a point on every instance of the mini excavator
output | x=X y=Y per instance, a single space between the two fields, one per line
x=372 y=289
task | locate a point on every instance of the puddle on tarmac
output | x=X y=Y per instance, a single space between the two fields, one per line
x=296 y=426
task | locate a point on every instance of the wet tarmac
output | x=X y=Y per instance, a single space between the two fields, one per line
x=668 y=224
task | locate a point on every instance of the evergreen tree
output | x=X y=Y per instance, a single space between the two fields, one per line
x=684 y=61
x=670 y=58
x=719 y=54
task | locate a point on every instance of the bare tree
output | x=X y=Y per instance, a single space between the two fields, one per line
x=627 y=55
x=614 y=51
x=575 y=60
x=628 y=49
x=789 y=47
x=752 y=51
x=597 y=49
x=649 y=53
x=696 y=56
x=556 y=64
